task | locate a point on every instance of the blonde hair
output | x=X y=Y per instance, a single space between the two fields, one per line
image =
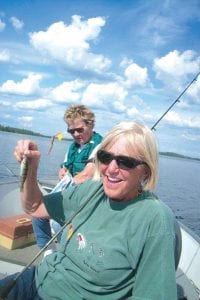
x=79 y=111
x=136 y=136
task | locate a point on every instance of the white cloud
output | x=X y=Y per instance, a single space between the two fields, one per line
x=37 y=104
x=4 y=56
x=26 y=121
x=119 y=106
x=136 y=75
x=133 y=112
x=175 y=119
x=69 y=44
x=16 y=23
x=67 y=91
x=28 y=86
x=2 y=25
x=126 y=62
x=138 y=115
x=175 y=64
x=194 y=91
x=110 y=94
x=25 y=118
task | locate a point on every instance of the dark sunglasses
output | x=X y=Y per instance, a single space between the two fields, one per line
x=72 y=131
x=123 y=162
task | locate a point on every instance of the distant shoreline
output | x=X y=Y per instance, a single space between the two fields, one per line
x=25 y=131
x=29 y=132
x=172 y=154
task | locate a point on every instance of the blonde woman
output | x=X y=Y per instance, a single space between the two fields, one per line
x=121 y=244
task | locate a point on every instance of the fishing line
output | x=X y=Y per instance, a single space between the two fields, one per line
x=9 y=170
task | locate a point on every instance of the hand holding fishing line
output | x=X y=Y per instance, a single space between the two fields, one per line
x=26 y=152
x=26 y=148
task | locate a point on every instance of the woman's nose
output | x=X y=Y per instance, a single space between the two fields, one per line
x=113 y=166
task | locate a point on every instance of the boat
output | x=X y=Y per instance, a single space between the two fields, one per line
x=187 y=249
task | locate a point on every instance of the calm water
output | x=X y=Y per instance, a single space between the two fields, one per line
x=178 y=184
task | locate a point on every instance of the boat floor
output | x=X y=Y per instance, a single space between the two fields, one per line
x=16 y=259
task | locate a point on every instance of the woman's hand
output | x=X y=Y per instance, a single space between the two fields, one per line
x=29 y=149
x=31 y=195
x=61 y=173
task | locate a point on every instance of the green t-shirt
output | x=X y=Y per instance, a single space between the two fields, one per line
x=110 y=250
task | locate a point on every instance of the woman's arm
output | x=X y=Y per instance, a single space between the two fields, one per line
x=31 y=196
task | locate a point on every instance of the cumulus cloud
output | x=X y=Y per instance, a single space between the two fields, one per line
x=175 y=69
x=133 y=111
x=16 y=23
x=4 y=56
x=28 y=86
x=26 y=121
x=38 y=104
x=176 y=65
x=136 y=75
x=67 y=92
x=109 y=94
x=175 y=119
x=194 y=92
x=69 y=44
x=25 y=118
x=2 y=25
x=139 y=115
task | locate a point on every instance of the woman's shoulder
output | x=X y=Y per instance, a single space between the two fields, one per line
x=154 y=201
x=156 y=208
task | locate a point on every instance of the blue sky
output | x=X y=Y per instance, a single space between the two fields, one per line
x=126 y=60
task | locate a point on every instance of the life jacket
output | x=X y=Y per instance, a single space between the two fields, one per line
x=76 y=159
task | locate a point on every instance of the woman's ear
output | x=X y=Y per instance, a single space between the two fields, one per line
x=147 y=173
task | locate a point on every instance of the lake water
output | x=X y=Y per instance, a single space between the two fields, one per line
x=178 y=184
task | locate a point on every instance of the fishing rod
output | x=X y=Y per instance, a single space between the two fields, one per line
x=177 y=100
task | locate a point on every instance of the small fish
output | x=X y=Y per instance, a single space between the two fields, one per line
x=23 y=172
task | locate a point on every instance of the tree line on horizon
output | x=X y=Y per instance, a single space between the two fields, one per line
x=19 y=130
x=25 y=131
x=29 y=132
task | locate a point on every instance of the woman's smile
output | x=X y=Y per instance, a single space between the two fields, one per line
x=119 y=183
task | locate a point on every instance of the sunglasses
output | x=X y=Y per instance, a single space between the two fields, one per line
x=79 y=130
x=123 y=162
